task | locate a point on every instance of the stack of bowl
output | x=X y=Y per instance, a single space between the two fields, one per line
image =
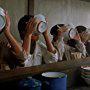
x=85 y=73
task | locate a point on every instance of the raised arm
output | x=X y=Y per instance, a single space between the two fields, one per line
x=49 y=45
x=12 y=41
x=27 y=39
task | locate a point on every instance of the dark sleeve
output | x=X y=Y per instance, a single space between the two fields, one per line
x=11 y=59
x=18 y=59
x=87 y=44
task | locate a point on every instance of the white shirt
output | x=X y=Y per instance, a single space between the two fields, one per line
x=39 y=53
x=60 y=48
x=65 y=51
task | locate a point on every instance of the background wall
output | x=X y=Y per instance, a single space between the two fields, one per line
x=76 y=12
x=16 y=9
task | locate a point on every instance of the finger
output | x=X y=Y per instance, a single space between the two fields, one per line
x=46 y=20
x=6 y=13
x=30 y=22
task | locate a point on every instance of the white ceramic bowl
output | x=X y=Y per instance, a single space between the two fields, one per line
x=87 y=80
x=41 y=24
x=2 y=19
x=2 y=11
x=85 y=69
x=40 y=17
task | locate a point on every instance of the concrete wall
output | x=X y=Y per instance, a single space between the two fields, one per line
x=16 y=9
x=64 y=11
x=58 y=11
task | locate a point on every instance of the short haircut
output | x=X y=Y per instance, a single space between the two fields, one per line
x=81 y=29
x=54 y=29
x=72 y=42
x=22 y=24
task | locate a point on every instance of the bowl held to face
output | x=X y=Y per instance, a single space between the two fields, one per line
x=40 y=23
x=72 y=33
x=2 y=19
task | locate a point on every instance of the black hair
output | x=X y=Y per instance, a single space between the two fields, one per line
x=80 y=29
x=72 y=42
x=54 y=29
x=22 y=24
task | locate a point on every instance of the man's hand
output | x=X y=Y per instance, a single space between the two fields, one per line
x=30 y=26
x=7 y=26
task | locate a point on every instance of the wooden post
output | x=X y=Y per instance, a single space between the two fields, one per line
x=30 y=7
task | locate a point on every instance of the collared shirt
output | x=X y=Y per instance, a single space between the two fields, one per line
x=59 y=45
x=65 y=51
x=40 y=54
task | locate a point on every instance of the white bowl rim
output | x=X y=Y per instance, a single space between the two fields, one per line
x=85 y=67
x=3 y=23
x=53 y=74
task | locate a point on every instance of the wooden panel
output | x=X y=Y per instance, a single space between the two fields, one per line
x=31 y=7
x=29 y=71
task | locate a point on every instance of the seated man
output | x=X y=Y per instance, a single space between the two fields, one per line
x=35 y=51
x=57 y=32
x=84 y=35
x=75 y=48
x=10 y=52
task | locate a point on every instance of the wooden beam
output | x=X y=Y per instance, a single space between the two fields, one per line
x=31 y=7
x=29 y=71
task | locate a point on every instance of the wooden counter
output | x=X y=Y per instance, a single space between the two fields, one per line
x=29 y=71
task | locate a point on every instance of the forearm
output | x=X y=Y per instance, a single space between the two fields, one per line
x=14 y=45
x=26 y=43
x=49 y=45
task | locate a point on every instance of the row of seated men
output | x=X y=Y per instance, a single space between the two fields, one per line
x=31 y=51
